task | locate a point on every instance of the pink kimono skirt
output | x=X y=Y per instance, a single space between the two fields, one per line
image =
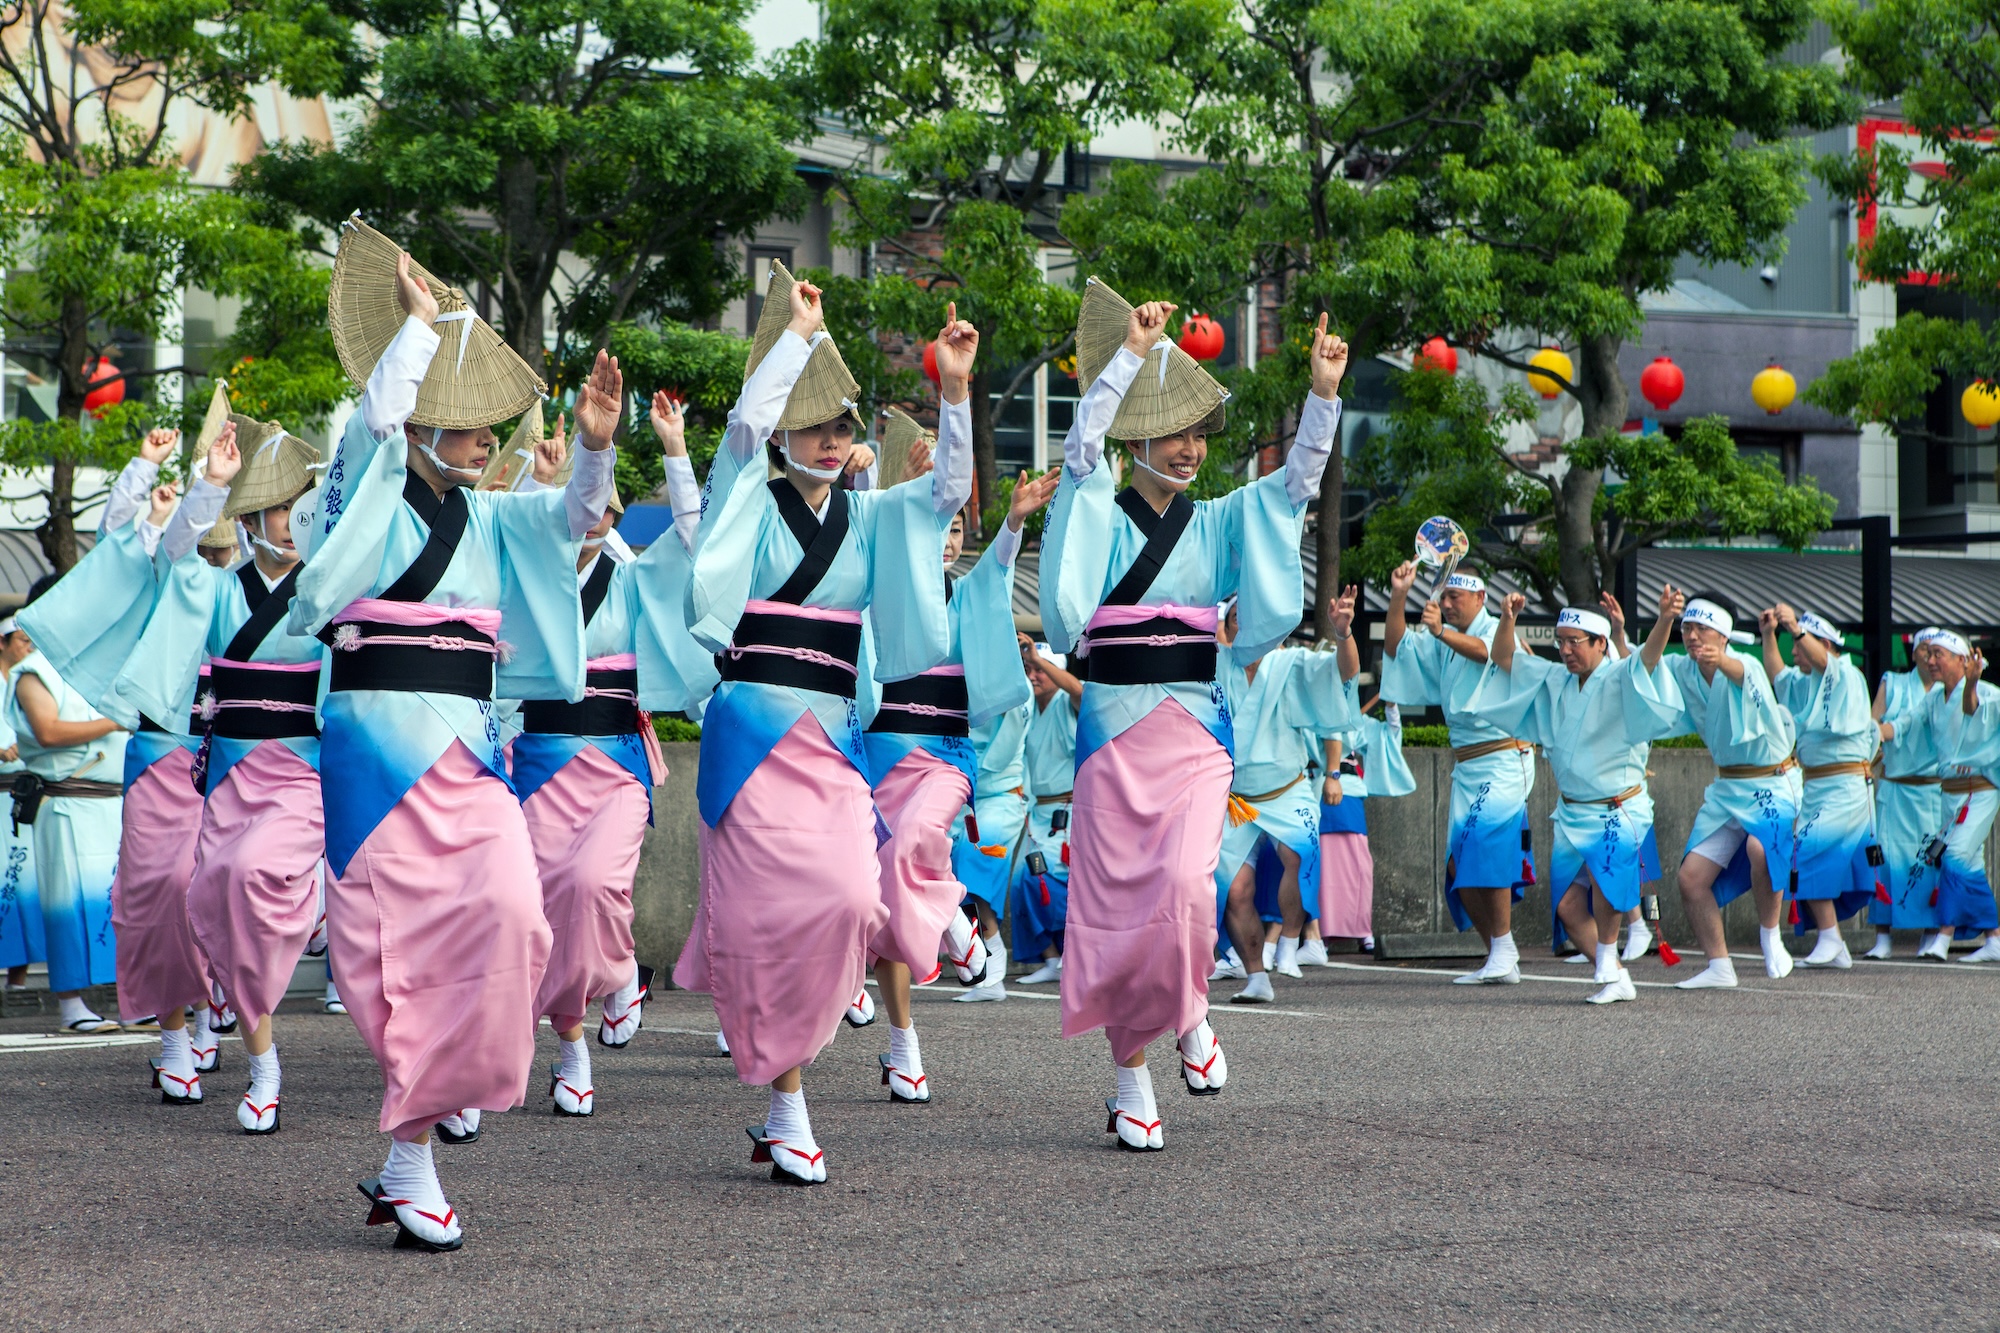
x=438 y=946
x=1144 y=842
x=256 y=885
x=1346 y=885
x=790 y=898
x=919 y=799
x=160 y=965
x=587 y=823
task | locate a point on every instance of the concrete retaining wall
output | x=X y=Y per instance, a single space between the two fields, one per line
x=1407 y=836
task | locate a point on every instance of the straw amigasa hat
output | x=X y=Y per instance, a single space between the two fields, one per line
x=900 y=432
x=212 y=424
x=508 y=466
x=825 y=389
x=1172 y=392
x=277 y=467
x=221 y=537
x=474 y=380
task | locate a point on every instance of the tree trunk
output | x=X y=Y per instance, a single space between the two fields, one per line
x=1332 y=538
x=521 y=296
x=985 y=468
x=57 y=534
x=1601 y=390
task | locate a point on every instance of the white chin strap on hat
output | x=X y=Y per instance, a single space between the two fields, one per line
x=463 y=476
x=257 y=540
x=1178 y=483
x=817 y=473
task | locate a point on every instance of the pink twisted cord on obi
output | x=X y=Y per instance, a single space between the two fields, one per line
x=210 y=706
x=926 y=710
x=348 y=638
x=1201 y=619
x=1149 y=640
x=809 y=655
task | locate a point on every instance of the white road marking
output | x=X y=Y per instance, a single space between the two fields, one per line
x=1592 y=981
x=31 y=1043
x=1868 y=964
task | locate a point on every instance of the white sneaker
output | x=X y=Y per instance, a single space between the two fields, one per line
x=1881 y=949
x=1043 y=975
x=1720 y=974
x=1228 y=968
x=1937 y=945
x=860 y=1011
x=1256 y=991
x=1638 y=939
x=1836 y=956
x=1621 y=989
x=1777 y=961
x=1988 y=952
x=1312 y=953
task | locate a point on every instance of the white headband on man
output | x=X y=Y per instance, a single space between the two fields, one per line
x=1572 y=617
x=7 y=627
x=1052 y=657
x=1466 y=582
x=1710 y=616
x=1821 y=629
x=1928 y=634
x=1955 y=644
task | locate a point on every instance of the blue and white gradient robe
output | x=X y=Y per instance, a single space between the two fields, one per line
x=1742 y=724
x=1488 y=842
x=1041 y=902
x=1836 y=830
x=1908 y=806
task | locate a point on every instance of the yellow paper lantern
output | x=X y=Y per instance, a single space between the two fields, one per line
x=1981 y=404
x=1552 y=360
x=1774 y=388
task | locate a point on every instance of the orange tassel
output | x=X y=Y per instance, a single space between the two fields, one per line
x=1241 y=811
x=994 y=850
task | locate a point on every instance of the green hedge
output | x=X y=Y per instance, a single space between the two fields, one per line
x=672 y=727
x=1438 y=738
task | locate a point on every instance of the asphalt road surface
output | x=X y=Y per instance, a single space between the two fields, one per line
x=1392 y=1151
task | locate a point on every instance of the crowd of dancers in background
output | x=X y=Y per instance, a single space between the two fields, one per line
x=394 y=706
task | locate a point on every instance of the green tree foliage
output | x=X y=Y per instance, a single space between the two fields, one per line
x=968 y=110
x=702 y=368
x=1502 y=173
x=507 y=139
x=1940 y=60
x=99 y=226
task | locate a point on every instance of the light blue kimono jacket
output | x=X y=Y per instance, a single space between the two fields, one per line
x=999 y=805
x=890 y=565
x=1245 y=545
x=518 y=555
x=1297 y=697
x=88 y=625
x=981 y=611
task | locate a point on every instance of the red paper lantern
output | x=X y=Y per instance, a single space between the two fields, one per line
x=930 y=365
x=1437 y=354
x=1662 y=383
x=1202 y=337
x=104 y=395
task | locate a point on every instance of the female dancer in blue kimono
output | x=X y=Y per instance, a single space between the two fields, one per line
x=1744 y=826
x=431 y=597
x=1040 y=905
x=1580 y=712
x=1132 y=579
x=790 y=894
x=927 y=770
x=1834 y=871
x=1279 y=704
x=1907 y=805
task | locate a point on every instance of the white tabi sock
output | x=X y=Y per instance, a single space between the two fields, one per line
x=1135 y=1093
x=1828 y=946
x=621 y=999
x=788 y=1120
x=1720 y=973
x=996 y=970
x=265 y=1076
x=411 y=1174
x=1287 y=961
x=904 y=1052
x=1502 y=956
x=575 y=1057
x=74 y=1010
x=1270 y=954
x=469 y=1117
x=1881 y=948
x=958 y=934
x=1607 y=963
x=177 y=1054
x=1770 y=939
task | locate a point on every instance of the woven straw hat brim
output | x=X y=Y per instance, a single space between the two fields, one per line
x=220 y=537
x=505 y=466
x=474 y=380
x=903 y=431
x=212 y=424
x=1171 y=392
x=272 y=476
x=826 y=389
